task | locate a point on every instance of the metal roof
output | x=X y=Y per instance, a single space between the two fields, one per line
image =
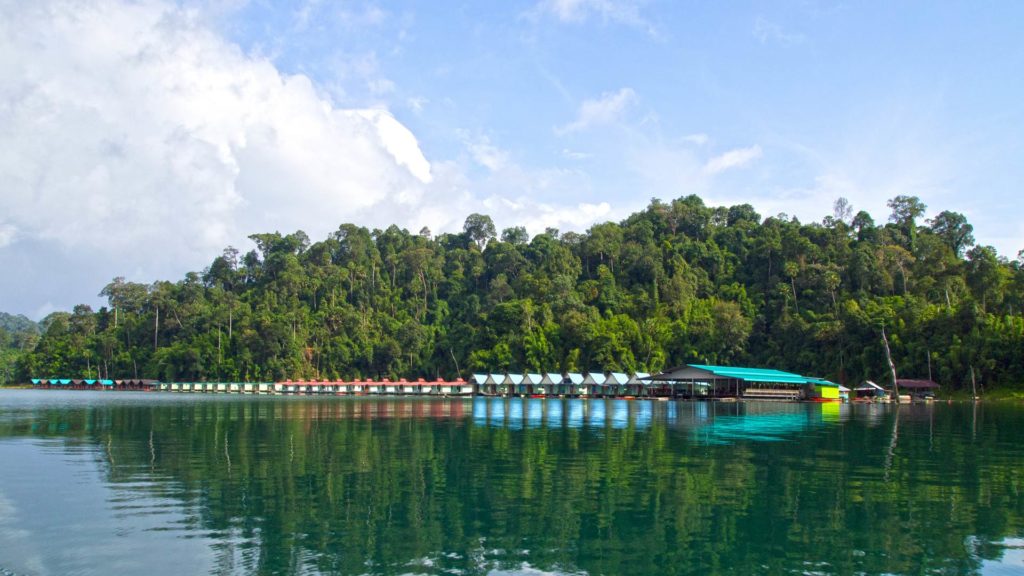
x=617 y=378
x=766 y=375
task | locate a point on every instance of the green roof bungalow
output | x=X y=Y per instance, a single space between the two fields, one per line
x=703 y=380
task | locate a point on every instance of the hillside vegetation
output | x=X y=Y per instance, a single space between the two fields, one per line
x=678 y=282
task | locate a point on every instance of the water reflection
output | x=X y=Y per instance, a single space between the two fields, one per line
x=707 y=423
x=127 y=484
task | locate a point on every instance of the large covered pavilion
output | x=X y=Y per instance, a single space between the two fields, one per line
x=706 y=381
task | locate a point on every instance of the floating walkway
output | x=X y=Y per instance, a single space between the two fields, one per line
x=692 y=381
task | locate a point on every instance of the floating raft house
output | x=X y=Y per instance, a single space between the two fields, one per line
x=688 y=381
x=702 y=380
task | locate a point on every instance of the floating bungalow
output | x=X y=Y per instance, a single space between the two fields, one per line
x=870 y=392
x=917 y=389
x=691 y=381
x=706 y=381
x=91 y=384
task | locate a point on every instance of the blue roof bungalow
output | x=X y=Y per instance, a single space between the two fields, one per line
x=593 y=384
x=617 y=385
x=555 y=384
x=535 y=382
x=499 y=382
x=870 y=392
x=638 y=383
x=575 y=382
x=517 y=385
x=482 y=386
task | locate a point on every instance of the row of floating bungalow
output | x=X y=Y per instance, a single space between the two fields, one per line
x=691 y=381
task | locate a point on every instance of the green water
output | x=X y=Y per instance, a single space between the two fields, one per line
x=142 y=483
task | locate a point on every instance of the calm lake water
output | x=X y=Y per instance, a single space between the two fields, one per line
x=143 y=483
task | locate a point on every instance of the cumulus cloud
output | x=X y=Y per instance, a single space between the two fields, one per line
x=732 y=159
x=604 y=110
x=137 y=138
x=139 y=142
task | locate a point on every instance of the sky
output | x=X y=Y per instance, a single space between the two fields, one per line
x=140 y=138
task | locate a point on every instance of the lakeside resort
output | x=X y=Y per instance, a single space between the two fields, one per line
x=687 y=382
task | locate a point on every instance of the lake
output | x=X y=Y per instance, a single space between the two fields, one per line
x=153 y=483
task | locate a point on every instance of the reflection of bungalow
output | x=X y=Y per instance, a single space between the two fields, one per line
x=869 y=391
x=918 y=389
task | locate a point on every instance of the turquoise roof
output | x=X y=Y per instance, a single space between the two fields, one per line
x=761 y=375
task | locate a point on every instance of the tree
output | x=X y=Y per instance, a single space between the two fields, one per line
x=515 y=235
x=905 y=212
x=842 y=210
x=479 y=228
x=953 y=229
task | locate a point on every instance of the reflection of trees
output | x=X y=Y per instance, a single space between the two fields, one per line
x=328 y=486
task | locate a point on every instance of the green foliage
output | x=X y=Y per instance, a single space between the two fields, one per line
x=18 y=334
x=677 y=282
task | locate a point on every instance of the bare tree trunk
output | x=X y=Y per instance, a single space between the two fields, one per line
x=892 y=367
x=457 y=370
x=156 y=327
x=974 y=385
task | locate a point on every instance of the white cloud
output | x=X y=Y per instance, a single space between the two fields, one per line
x=138 y=142
x=487 y=154
x=625 y=12
x=416 y=103
x=141 y=141
x=732 y=159
x=575 y=155
x=766 y=31
x=380 y=86
x=604 y=110
x=698 y=139
x=7 y=234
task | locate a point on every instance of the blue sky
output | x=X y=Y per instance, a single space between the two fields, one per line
x=874 y=98
x=187 y=126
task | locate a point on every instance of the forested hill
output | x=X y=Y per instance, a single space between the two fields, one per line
x=678 y=282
